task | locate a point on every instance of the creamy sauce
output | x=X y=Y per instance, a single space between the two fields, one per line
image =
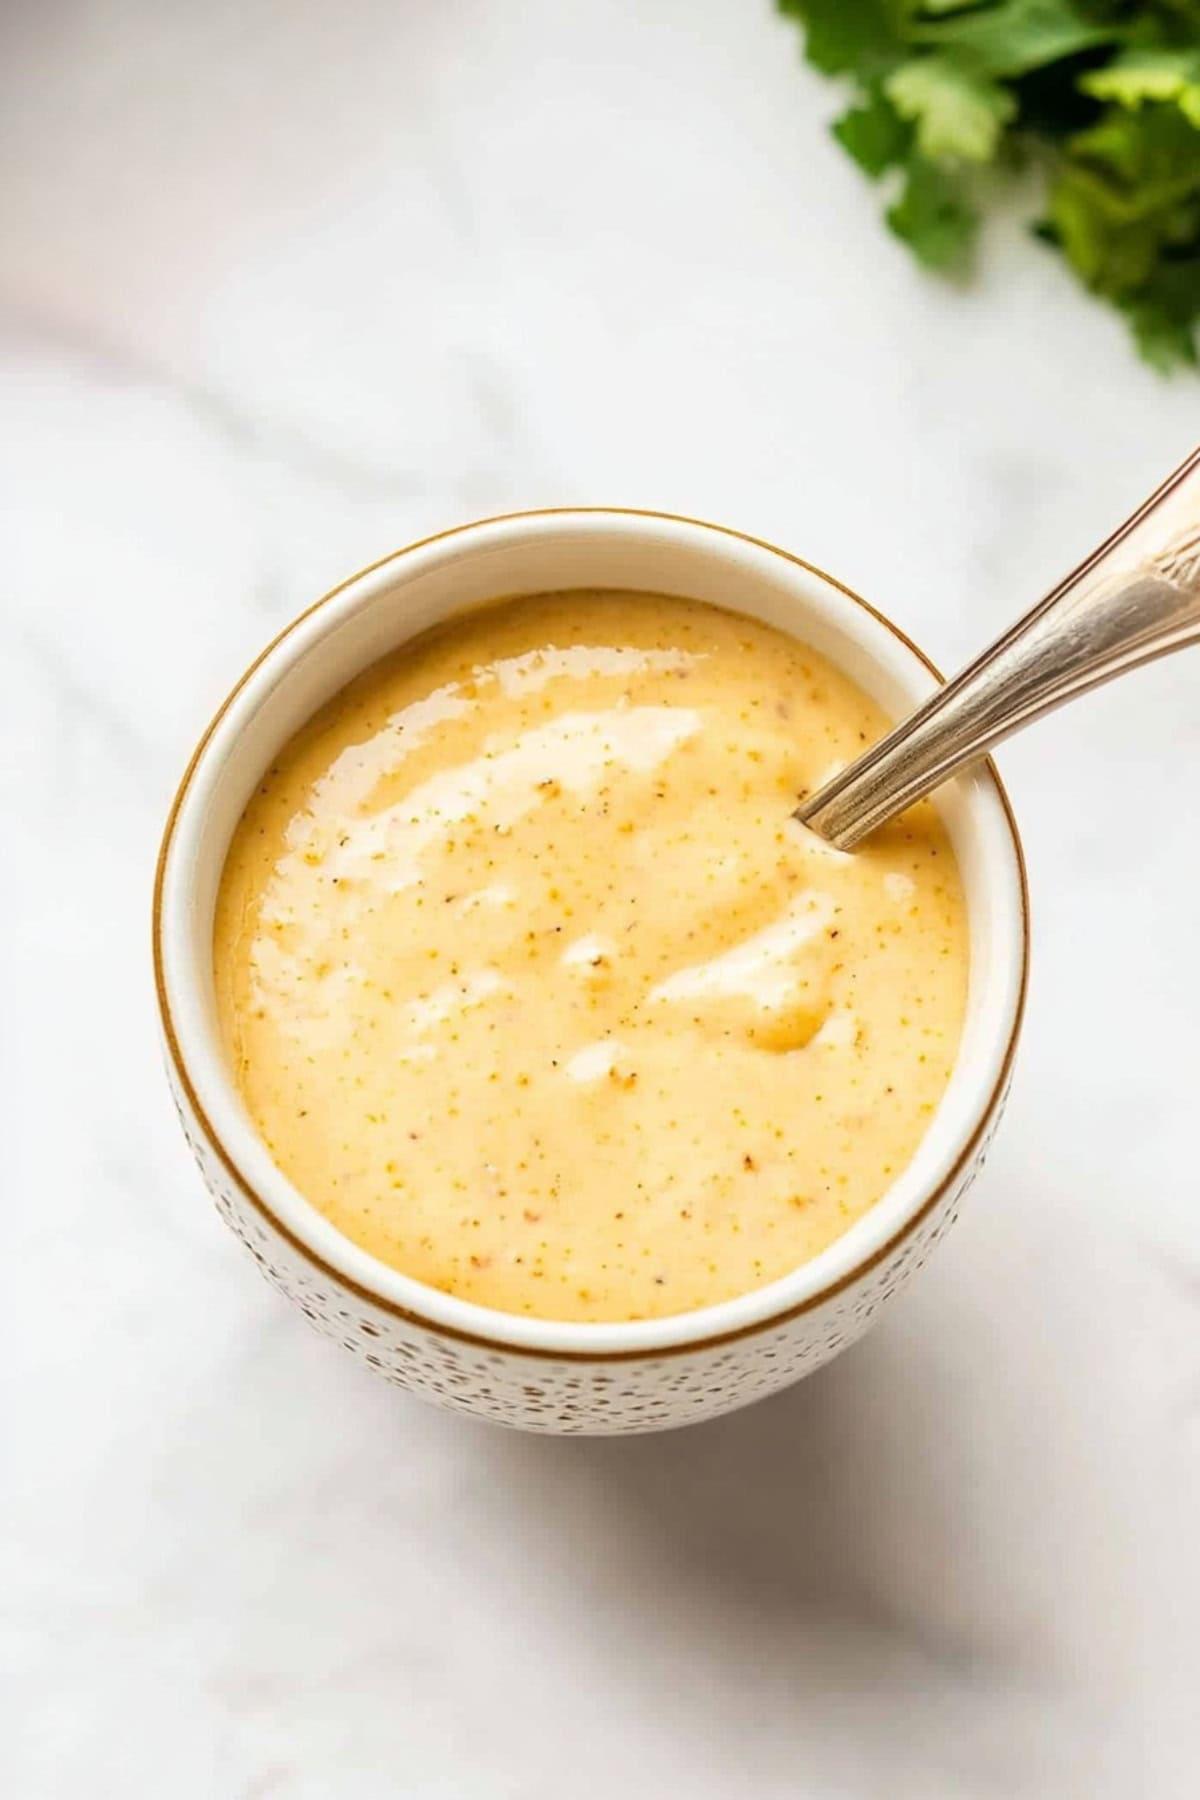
x=531 y=986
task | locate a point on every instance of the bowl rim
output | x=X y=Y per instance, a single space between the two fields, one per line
x=488 y=1328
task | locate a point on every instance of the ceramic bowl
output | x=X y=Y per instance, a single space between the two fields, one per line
x=537 y=1373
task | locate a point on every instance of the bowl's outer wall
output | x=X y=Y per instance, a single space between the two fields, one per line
x=622 y=1394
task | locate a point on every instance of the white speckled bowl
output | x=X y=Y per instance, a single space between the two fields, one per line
x=536 y=1373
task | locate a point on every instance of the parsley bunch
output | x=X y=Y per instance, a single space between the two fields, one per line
x=1104 y=94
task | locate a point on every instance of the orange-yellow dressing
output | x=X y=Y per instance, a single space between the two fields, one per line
x=531 y=987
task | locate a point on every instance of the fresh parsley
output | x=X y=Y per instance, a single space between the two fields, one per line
x=1104 y=95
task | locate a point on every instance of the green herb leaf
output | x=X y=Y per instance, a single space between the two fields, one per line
x=933 y=217
x=1102 y=96
x=1112 y=252
x=1141 y=75
x=1017 y=35
x=844 y=36
x=1125 y=210
x=1154 y=151
x=1165 y=315
x=874 y=134
x=959 y=115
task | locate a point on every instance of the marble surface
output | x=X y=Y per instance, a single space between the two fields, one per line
x=283 y=287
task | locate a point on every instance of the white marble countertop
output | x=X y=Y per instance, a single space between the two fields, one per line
x=286 y=285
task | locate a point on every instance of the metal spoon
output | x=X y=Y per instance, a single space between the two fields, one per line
x=1137 y=596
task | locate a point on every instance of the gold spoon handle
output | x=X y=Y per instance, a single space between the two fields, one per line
x=1136 y=597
